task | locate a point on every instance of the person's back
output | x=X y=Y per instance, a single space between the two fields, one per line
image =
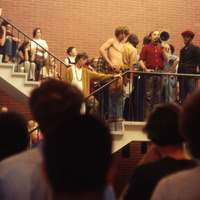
x=185 y=185
x=77 y=158
x=20 y=175
x=165 y=157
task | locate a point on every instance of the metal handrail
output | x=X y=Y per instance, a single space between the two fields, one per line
x=141 y=72
x=33 y=40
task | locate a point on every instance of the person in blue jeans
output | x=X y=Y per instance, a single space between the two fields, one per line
x=169 y=82
x=10 y=46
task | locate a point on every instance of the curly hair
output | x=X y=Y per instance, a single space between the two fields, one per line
x=122 y=29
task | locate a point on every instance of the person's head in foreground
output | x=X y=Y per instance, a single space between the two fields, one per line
x=53 y=98
x=189 y=123
x=14 y=137
x=162 y=125
x=78 y=158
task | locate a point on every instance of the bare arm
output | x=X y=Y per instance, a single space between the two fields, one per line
x=165 y=54
x=21 y=56
x=41 y=49
x=132 y=68
x=3 y=39
x=33 y=52
x=15 y=39
x=103 y=51
x=143 y=67
x=26 y=56
x=174 y=65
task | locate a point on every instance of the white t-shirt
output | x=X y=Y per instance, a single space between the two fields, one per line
x=77 y=81
x=72 y=59
x=42 y=43
x=77 y=77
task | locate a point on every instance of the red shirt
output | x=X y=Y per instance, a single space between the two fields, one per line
x=152 y=56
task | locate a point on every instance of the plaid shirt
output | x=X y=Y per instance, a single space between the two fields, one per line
x=102 y=66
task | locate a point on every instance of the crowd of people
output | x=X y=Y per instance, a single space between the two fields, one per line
x=73 y=160
x=116 y=57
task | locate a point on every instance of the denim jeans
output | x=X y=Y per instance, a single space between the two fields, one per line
x=116 y=106
x=168 y=87
x=187 y=85
x=10 y=48
x=153 y=89
x=1 y=50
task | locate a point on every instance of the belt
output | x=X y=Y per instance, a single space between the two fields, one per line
x=156 y=68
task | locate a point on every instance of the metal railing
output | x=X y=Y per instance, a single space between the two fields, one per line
x=58 y=63
x=133 y=101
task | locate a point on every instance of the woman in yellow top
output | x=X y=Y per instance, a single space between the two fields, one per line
x=81 y=77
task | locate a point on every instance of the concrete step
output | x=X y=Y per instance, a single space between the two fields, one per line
x=130 y=131
x=15 y=84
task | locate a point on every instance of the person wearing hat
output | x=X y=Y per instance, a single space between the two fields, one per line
x=189 y=59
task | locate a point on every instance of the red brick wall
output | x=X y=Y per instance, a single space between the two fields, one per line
x=125 y=166
x=13 y=105
x=87 y=24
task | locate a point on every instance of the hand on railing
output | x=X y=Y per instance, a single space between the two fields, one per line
x=117 y=76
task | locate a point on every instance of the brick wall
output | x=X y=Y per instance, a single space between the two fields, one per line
x=125 y=164
x=87 y=24
x=13 y=105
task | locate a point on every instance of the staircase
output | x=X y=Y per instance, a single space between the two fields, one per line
x=127 y=131
x=15 y=84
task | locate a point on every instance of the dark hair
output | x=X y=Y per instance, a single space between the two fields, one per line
x=162 y=125
x=53 y=98
x=92 y=64
x=22 y=47
x=133 y=39
x=77 y=155
x=146 y=40
x=14 y=136
x=121 y=29
x=35 y=31
x=88 y=63
x=150 y=34
x=5 y=23
x=80 y=55
x=69 y=50
x=189 y=123
x=172 y=48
